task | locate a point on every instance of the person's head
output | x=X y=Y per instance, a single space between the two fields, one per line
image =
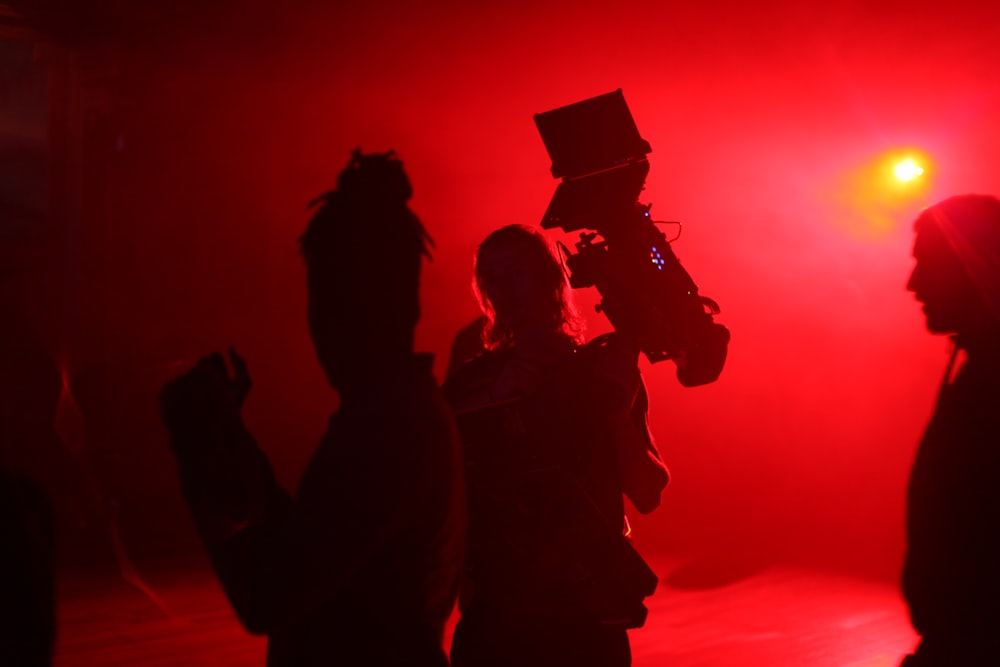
x=957 y=271
x=522 y=288
x=362 y=250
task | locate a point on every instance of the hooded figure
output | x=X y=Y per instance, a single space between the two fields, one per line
x=951 y=576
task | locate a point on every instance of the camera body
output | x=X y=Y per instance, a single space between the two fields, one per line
x=645 y=291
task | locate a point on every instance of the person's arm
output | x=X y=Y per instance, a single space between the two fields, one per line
x=226 y=480
x=279 y=559
x=619 y=392
x=642 y=471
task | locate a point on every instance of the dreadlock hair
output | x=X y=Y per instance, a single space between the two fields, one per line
x=363 y=247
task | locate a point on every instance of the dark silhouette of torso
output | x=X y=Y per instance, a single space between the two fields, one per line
x=362 y=565
x=951 y=577
x=548 y=570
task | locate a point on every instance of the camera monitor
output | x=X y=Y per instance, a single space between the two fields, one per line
x=590 y=136
x=596 y=149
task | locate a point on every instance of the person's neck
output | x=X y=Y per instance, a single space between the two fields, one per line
x=372 y=373
x=980 y=344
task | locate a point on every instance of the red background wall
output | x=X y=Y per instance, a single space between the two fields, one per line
x=770 y=126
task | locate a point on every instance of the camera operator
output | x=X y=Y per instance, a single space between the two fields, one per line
x=554 y=432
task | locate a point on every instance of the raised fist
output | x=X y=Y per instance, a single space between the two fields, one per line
x=195 y=405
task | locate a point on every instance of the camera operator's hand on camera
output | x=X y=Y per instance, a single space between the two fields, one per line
x=198 y=404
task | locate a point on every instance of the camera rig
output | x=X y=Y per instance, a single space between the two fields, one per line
x=596 y=150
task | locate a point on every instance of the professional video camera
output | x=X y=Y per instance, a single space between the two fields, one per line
x=596 y=149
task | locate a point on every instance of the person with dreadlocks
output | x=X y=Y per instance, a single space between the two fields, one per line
x=951 y=574
x=361 y=565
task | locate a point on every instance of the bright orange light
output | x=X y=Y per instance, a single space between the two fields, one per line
x=884 y=192
x=907 y=170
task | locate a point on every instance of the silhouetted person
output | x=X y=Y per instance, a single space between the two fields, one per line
x=30 y=463
x=362 y=565
x=27 y=582
x=951 y=576
x=553 y=432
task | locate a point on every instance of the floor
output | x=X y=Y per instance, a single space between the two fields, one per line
x=774 y=617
